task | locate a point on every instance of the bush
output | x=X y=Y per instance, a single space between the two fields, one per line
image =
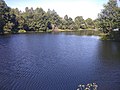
x=22 y=31
x=105 y=37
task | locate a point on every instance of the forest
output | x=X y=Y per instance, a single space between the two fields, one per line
x=12 y=20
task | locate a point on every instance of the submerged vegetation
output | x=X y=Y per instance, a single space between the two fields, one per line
x=37 y=20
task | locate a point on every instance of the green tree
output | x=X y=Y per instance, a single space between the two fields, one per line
x=96 y=24
x=66 y=17
x=89 y=23
x=79 y=21
x=8 y=27
x=70 y=23
x=109 y=16
x=4 y=15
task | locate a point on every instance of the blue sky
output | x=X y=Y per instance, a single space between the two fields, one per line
x=73 y=8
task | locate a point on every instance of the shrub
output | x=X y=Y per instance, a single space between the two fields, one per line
x=22 y=31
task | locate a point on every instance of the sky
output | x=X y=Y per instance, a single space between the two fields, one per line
x=72 y=8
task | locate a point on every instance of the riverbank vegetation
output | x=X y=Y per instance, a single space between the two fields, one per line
x=37 y=20
x=109 y=21
x=13 y=20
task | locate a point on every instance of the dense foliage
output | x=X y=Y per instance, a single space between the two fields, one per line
x=13 y=20
x=109 y=18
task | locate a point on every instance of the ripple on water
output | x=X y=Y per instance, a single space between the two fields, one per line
x=57 y=62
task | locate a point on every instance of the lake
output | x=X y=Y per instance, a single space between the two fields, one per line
x=58 y=62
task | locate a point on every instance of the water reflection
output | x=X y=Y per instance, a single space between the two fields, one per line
x=110 y=50
x=109 y=58
x=83 y=32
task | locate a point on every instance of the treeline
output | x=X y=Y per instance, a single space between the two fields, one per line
x=14 y=20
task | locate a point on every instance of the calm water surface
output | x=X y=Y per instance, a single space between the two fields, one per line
x=58 y=62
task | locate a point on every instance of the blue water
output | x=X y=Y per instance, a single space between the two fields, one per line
x=58 y=62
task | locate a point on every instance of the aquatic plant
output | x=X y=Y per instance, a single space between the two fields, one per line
x=90 y=86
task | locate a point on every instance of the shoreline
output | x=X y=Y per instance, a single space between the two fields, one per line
x=55 y=31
